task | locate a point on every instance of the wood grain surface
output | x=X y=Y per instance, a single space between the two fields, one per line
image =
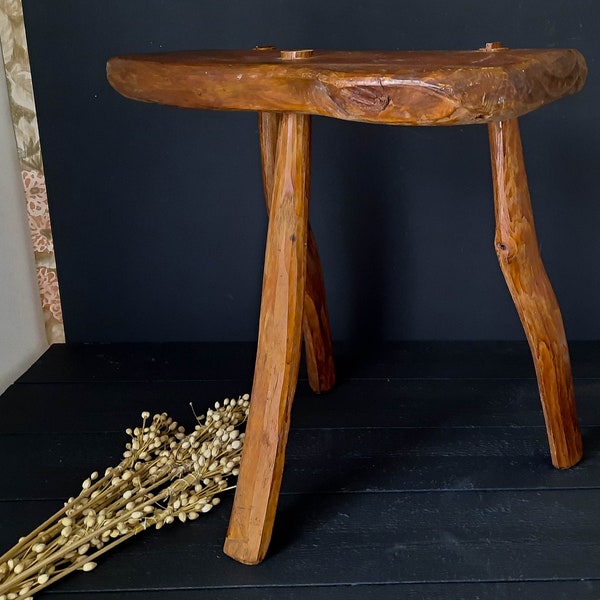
x=518 y=253
x=315 y=319
x=279 y=346
x=393 y=87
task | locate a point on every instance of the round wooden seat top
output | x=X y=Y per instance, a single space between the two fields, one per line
x=392 y=87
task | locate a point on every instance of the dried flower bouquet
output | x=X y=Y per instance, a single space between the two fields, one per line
x=165 y=474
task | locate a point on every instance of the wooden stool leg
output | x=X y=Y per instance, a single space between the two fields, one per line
x=315 y=322
x=279 y=347
x=521 y=264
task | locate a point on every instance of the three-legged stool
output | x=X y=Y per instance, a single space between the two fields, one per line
x=492 y=85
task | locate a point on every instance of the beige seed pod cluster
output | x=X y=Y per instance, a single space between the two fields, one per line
x=166 y=475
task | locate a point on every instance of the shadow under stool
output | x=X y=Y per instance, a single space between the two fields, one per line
x=492 y=86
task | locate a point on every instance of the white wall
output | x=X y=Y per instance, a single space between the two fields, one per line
x=22 y=337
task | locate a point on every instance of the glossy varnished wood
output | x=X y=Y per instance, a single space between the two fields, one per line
x=279 y=345
x=315 y=320
x=518 y=253
x=492 y=85
x=403 y=88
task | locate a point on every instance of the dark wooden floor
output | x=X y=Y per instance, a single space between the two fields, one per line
x=424 y=474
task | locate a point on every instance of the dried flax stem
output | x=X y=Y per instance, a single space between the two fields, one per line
x=165 y=475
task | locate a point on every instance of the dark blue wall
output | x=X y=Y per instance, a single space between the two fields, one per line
x=158 y=215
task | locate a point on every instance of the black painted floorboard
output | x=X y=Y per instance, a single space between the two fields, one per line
x=425 y=474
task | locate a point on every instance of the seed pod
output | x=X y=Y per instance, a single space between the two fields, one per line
x=88 y=566
x=66 y=531
x=90 y=521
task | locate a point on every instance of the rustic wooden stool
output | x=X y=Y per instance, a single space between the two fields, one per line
x=492 y=85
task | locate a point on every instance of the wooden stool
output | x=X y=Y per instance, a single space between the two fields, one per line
x=492 y=85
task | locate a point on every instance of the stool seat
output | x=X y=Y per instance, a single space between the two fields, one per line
x=392 y=87
x=492 y=85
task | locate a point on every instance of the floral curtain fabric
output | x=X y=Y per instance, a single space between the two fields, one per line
x=20 y=91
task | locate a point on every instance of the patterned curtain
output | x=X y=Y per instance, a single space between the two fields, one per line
x=22 y=104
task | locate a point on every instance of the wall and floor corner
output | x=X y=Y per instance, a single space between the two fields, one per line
x=22 y=337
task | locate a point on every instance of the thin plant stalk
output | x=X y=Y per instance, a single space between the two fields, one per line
x=165 y=475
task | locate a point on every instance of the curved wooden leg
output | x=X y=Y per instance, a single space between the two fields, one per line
x=279 y=347
x=315 y=323
x=521 y=264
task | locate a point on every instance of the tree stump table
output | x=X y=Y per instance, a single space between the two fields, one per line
x=492 y=86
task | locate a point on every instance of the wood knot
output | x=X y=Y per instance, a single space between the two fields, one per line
x=506 y=251
x=361 y=100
